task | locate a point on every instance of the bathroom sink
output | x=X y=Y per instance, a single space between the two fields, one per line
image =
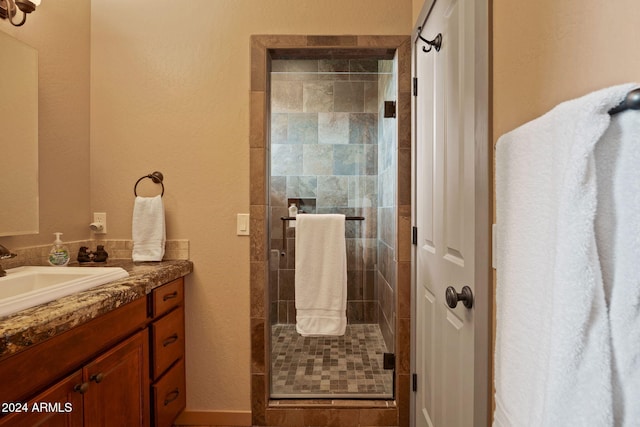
x=25 y=287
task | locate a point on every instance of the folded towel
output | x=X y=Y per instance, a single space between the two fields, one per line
x=148 y=229
x=321 y=275
x=553 y=341
x=618 y=238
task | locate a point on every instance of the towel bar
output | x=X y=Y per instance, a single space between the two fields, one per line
x=284 y=220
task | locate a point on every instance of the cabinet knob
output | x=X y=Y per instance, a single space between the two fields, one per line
x=81 y=388
x=97 y=378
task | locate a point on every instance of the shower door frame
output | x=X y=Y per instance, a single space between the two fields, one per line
x=268 y=411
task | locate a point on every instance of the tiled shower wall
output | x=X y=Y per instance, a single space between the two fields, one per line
x=331 y=146
x=387 y=172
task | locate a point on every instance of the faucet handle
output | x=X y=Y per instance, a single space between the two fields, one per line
x=6 y=253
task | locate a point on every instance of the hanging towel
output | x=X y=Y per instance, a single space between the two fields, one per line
x=148 y=229
x=553 y=341
x=321 y=275
x=618 y=238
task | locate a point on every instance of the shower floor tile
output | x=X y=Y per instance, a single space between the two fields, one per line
x=349 y=366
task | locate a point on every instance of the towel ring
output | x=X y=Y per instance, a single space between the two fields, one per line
x=156 y=177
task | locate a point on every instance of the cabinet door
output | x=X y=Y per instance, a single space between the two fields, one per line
x=58 y=406
x=119 y=383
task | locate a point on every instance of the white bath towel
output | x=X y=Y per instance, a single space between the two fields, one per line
x=618 y=238
x=321 y=275
x=148 y=229
x=553 y=341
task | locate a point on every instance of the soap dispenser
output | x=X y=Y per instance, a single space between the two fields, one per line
x=59 y=254
x=293 y=212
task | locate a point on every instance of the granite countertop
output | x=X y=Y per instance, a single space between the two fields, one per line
x=33 y=325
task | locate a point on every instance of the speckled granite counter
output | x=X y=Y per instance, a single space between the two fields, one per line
x=36 y=324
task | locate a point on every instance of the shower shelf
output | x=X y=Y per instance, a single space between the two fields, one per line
x=293 y=218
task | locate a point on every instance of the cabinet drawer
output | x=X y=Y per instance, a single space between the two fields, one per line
x=167 y=341
x=169 y=396
x=166 y=297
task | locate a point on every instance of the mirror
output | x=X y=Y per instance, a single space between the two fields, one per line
x=18 y=137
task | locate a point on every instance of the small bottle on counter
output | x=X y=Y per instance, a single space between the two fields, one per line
x=59 y=254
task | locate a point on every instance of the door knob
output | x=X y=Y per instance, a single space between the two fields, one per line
x=466 y=296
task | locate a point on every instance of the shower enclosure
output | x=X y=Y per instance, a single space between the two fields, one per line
x=332 y=148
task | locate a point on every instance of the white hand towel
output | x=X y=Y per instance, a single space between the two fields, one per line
x=148 y=229
x=553 y=342
x=321 y=275
x=618 y=239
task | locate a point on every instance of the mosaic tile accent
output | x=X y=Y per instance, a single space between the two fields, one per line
x=346 y=366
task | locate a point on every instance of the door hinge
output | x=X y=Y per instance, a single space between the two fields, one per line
x=389 y=109
x=389 y=361
x=414 y=235
x=415 y=86
x=414 y=381
x=494 y=246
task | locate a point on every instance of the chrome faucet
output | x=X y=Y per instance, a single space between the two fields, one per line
x=5 y=254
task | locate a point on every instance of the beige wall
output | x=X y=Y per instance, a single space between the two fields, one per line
x=59 y=30
x=170 y=92
x=546 y=52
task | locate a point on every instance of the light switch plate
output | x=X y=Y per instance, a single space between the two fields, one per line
x=242 y=225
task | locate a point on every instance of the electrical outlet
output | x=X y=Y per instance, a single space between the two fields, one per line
x=100 y=218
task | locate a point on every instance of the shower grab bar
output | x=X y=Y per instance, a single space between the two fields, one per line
x=284 y=220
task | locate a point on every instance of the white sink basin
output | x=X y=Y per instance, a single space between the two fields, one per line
x=25 y=287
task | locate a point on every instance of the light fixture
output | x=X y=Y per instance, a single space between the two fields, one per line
x=9 y=9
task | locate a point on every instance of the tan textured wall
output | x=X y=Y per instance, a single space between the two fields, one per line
x=416 y=7
x=170 y=92
x=546 y=52
x=59 y=31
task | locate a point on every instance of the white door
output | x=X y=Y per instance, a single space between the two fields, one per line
x=446 y=216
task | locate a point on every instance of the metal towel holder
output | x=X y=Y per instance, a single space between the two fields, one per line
x=285 y=220
x=630 y=102
x=156 y=177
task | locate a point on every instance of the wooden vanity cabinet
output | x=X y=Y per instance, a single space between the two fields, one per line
x=109 y=386
x=124 y=368
x=168 y=388
x=71 y=412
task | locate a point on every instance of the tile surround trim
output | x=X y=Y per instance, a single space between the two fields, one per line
x=263 y=408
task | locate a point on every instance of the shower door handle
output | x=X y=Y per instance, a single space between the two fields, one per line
x=452 y=297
